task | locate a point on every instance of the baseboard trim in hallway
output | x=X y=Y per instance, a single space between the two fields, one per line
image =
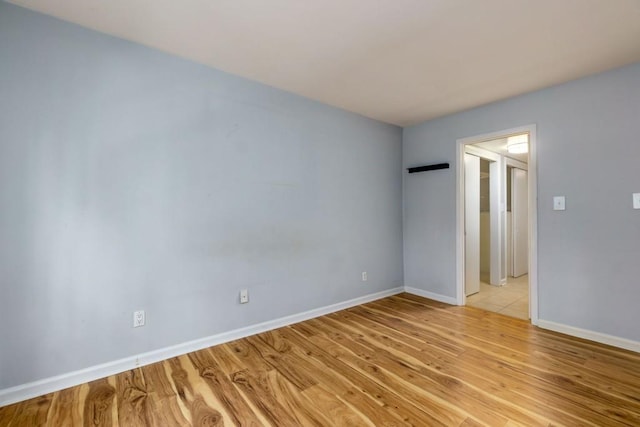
x=60 y=382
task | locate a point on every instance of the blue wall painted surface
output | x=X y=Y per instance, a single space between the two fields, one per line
x=589 y=151
x=131 y=179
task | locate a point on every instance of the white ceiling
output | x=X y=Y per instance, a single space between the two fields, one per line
x=398 y=61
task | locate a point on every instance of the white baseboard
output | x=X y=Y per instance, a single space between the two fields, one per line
x=59 y=382
x=590 y=335
x=436 y=297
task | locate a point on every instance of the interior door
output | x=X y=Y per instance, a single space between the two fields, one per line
x=471 y=224
x=520 y=222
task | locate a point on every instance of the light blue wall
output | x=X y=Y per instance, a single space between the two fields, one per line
x=131 y=179
x=589 y=151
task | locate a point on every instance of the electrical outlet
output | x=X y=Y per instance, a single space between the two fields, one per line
x=364 y=276
x=138 y=318
x=636 y=200
x=244 y=296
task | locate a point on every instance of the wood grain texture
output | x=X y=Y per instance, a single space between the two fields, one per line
x=402 y=360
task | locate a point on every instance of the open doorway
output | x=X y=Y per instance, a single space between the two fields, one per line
x=496 y=224
x=507 y=295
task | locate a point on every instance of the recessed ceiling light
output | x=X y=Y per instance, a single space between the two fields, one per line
x=518 y=144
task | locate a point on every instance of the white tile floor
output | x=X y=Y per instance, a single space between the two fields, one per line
x=511 y=299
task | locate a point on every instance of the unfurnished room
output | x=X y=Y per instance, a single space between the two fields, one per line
x=319 y=213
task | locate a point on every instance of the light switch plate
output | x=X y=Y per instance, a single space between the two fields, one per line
x=558 y=203
x=636 y=200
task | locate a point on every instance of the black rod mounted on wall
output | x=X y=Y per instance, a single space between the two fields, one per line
x=429 y=168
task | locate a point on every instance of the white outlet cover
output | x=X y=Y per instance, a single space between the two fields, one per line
x=138 y=318
x=636 y=200
x=558 y=203
x=244 y=296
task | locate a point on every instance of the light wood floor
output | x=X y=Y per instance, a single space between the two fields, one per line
x=403 y=360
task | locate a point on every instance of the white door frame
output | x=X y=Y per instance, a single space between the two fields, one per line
x=533 y=212
x=471 y=224
x=516 y=212
x=498 y=218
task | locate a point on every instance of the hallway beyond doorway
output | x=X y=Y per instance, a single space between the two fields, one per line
x=511 y=299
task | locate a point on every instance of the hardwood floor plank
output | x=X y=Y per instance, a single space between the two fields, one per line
x=275 y=340
x=194 y=388
x=457 y=368
x=224 y=359
x=203 y=415
x=401 y=360
x=594 y=379
x=62 y=409
x=183 y=386
x=247 y=355
x=255 y=387
x=424 y=408
x=567 y=392
x=199 y=409
x=132 y=399
x=162 y=395
x=335 y=410
x=370 y=410
x=620 y=374
x=471 y=336
x=339 y=379
x=9 y=412
x=283 y=364
x=291 y=398
x=524 y=378
x=303 y=357
x=32 y=414
x=240 y=412
x=493 y=328
x=442 y=387
x=350 y=377
x=470 y=422
x=303 y=330
x=98 y=406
